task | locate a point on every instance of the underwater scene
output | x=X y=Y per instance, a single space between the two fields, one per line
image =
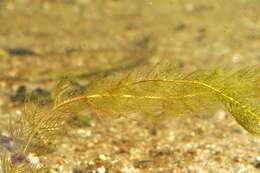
x=129 y=86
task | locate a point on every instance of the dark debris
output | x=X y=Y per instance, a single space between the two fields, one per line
x=20 y=51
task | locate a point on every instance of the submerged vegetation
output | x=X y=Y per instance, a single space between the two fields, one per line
x=157 y=92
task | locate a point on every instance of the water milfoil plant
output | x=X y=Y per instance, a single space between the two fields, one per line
x=156 y=92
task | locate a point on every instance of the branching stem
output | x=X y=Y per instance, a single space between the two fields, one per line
x=205 y=85
x=86 y=98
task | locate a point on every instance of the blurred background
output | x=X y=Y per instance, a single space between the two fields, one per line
x=82 y=36
x=43 y=40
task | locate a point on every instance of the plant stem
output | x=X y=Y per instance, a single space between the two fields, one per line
x=205 y=85
x=46 y=117
x=87 y=97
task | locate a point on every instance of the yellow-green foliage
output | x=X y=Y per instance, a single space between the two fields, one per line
x=157 y=92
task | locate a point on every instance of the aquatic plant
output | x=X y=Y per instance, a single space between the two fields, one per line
x=157 y=92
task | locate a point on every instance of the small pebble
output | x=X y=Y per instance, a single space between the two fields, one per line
x=77 y=169
x=153 y=131
x=101 y=169
x=34 y=160
x=130 y=169
x=257 y=162
x=102 y=157
x=221 y=114
x=18 y=113
x=180 y=27
x=84 y=133
x=19 y=95
x=91 y=163
x=236 y=58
